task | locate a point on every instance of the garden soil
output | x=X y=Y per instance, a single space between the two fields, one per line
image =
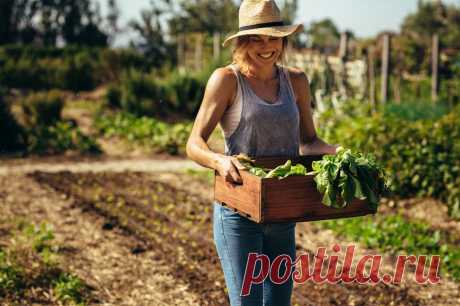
x=140 y=234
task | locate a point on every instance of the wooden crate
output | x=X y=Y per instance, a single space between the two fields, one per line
x=291 y=199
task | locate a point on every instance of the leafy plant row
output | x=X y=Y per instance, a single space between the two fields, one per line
x=29 y=268
x=40 y=128
x=70 y=68
x=422 y=156
x=145 y=131
x=396 y=234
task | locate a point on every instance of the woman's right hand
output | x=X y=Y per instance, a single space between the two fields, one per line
x=228 y=167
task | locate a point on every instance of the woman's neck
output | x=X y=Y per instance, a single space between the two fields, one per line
x=264 y=74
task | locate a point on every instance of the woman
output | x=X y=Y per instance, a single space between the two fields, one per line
x=264 y=110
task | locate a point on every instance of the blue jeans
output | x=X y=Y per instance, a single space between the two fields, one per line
x=235 y=237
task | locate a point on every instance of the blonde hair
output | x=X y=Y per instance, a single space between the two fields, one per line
x=240 y=55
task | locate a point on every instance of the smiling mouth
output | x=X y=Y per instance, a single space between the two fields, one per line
x=266 y=55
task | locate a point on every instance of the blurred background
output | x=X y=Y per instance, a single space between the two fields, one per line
x=98 y=97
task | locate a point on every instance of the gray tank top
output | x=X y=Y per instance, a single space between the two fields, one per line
x=266 y=129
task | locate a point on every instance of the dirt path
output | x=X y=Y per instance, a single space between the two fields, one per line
x=135 y=165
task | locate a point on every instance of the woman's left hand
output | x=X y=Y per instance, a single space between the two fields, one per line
x=318 y=147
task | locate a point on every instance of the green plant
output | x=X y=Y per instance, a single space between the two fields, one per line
x=42 y=109
x=12 y=134
x=421 y=157
x=113 y=96
x=396 y=234
x=349 y=175
x=415 y=111
x=70 y=68
x=144 y=131
x=10 y=276
x=58 y=138
x=69 y=288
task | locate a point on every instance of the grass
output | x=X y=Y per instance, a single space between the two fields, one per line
x=206 y=175
x=396 y=234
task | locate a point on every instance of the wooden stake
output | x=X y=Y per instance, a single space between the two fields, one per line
x=435 y=69
x=385 y=67
x=198 y=51
x=371 y=66
x=216 y=45
x=343 y=51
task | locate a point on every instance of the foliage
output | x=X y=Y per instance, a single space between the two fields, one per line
x=46 y=22
x=69 y=288
x=113 y=96
x=411 y=52
x=220 y=17
x=152 y=42
x=71 y=68
x=411 y=111
x=421 y=156
x=44 y=130
x=59 y=138
x=348 y=175
x=148 y=94
x=324 y=35
x=43 y=108
x=148 y=132
x=395 y=234
x=434 y=18
x=30 y=262
x=12 y=134
x=206 y=175
x=10 y=276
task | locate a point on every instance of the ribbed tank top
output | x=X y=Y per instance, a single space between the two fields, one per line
x=264 y=129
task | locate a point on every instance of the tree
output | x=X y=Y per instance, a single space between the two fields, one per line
x=417 y=31
x=432 y=18
x=45 y=22
x=324 y=35
x=206 y=16
x=152 y=42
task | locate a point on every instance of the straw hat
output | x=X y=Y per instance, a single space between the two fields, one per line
x=262 y=17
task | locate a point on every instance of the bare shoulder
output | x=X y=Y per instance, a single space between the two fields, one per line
x=300 y=83
x=223 y=77
x=222 y=85
x=297 y=75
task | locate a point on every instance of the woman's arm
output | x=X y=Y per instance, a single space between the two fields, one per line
x=310 y=143
x=219 y=93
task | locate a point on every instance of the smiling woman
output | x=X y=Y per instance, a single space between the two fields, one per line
x=264 y=110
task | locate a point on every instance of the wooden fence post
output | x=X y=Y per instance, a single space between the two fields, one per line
x=435 y=68
x=198 y=51
x=343 y=55
x=216 y=45
x=371 y=65
x=343 y=50
x=385 y=67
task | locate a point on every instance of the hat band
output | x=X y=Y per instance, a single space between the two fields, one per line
x=262 y=25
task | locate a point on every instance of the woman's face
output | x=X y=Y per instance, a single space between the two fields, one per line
x=264 y=50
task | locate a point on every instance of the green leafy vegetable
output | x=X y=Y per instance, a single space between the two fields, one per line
x=348 y=175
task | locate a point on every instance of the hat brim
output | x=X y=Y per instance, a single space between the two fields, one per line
x=281 y=31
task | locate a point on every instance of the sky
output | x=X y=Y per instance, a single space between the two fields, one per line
x=365 y=18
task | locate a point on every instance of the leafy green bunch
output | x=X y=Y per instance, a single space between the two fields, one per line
x=279 y=172
x=348 y=175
